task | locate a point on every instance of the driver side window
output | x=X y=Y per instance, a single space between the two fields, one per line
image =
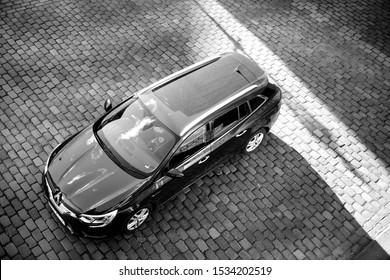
x=196 y=141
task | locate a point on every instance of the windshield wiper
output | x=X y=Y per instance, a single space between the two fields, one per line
x=111 y=155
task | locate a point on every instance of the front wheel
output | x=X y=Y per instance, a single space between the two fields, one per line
x=136 y=219
x=254 y=141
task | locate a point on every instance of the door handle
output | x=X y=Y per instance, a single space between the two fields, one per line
x=203 y=160
x=241 y=133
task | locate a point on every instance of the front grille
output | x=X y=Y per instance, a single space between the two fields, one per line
x=52 y=191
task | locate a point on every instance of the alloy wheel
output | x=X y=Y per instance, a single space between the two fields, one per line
x=254 y=142
x=138 y=219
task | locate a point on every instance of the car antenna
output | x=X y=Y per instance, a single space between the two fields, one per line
x=239 y=72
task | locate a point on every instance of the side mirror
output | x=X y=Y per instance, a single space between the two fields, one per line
x=174 y=173
x=107 y=105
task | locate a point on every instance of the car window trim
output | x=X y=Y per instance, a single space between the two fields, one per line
x=188 y=136
x=229 y=130
x=211 y=123
x=181 y=165
x=237 y=124
x=230 y=124
x=261 y=105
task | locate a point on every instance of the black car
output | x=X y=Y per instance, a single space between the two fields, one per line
x=112 y=174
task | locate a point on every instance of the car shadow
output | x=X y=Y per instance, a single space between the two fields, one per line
x=270 y=204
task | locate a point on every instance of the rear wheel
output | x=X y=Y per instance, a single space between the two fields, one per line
x=254 y=141
x=137 y=218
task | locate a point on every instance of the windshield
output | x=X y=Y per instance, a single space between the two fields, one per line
x=135 y=137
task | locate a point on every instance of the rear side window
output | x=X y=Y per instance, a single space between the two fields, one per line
x=256 y=102
x=244 y=110
x=224 y=122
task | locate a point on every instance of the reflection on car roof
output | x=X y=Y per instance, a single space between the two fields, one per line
x=180 y=101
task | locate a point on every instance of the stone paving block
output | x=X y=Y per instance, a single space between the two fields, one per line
x=316 y=189
x=11 y=250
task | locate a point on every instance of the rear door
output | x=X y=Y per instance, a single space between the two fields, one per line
x=228 y=133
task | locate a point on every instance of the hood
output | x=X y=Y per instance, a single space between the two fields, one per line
x=89 y=180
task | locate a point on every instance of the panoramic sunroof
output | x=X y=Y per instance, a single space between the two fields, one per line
x=201 y=89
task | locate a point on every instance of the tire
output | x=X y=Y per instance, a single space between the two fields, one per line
x=254 y=141
x=136 y=219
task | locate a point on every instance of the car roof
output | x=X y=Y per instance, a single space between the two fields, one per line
x=184 y=98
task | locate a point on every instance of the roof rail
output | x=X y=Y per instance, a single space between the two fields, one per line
x=184 y=72
x=178 y=74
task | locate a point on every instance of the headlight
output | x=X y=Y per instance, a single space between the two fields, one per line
x=95 y=221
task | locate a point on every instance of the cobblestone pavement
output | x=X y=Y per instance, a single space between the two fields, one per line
x=319 y=188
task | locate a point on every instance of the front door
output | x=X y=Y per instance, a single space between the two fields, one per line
x=192 y=159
